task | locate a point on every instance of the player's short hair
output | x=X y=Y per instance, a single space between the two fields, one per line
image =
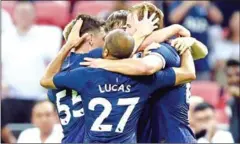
x=203 y=106
x=151 y=8
x=116 y=19
x=90 y=24
x=119 y=44
x=233 y=62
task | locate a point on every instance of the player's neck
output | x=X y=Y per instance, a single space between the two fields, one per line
x=84 y=48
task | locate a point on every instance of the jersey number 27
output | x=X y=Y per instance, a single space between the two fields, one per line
x=98 y=126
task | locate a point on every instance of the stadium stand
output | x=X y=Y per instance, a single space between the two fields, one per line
x=209 y=91
x=8 y=6
x=47 y=12
x=91 y=7
x=53 y=12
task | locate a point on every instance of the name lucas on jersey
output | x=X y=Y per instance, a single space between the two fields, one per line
x=114 y=88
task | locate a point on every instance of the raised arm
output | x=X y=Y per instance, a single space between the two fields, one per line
x=55 y=65
x=164 y=34
x=186 y=72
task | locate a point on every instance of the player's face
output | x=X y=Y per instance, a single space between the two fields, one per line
x=204 y=119
x=130 y=24
x=44 y=116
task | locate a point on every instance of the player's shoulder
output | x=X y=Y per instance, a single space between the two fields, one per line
x=167 y=46
x=92 y=72
x=51 y=94
x=95 y=53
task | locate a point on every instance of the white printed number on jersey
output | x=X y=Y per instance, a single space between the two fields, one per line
x=66 y=109
x=188 y=92
x=98 y=126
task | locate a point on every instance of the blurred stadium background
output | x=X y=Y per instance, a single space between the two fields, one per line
x=39 y=37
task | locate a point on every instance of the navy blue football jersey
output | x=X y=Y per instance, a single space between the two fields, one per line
x=69 y=103
x=112 y=102
x=168 y=117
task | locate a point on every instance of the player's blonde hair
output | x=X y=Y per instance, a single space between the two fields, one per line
x=151 y=8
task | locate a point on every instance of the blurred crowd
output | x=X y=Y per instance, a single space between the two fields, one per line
x=29 y=45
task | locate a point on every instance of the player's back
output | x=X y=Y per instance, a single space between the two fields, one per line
x=69 y=103
x=169 y=108
x=112 y=104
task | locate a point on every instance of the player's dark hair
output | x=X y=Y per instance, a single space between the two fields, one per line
x=90 y=24
x=233 y=62
x=203 y=106
x=119 y=44
x=116 y=19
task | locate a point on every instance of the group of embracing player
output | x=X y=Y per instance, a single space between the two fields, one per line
x=126 y=80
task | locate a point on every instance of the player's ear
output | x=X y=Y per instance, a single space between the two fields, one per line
x=90 y=40
x=105 y=53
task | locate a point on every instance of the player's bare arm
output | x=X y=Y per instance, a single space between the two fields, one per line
x=146 y=65
x=54 y=67
x=164 y=34
x=186 y=73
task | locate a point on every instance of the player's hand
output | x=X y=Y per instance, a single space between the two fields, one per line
x=183 y=43
x=94 y=63
x=74 y=39
x=146 y=25
x=150 y=47
x=67 y=29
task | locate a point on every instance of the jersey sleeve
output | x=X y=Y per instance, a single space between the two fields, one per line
x=169 y=54
x=50 y=95
x=163 y=78
x=72 y=79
